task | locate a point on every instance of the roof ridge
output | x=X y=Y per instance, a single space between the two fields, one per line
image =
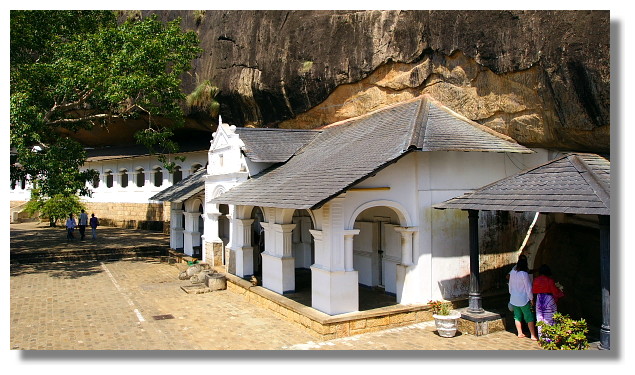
x=368 y=114
x=600 y=188
x=475 y=124
x=420 y=125
x=275 y=129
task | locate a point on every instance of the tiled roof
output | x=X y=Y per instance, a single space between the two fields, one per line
x=183 y=189
x=273 y=145
x=575 y=183
x=194 y=144
x=347 y=152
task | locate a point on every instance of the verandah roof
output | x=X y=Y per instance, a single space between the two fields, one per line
x=183 y=189
x=576 y=183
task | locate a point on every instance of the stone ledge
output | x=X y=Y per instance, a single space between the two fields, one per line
x=324 y=326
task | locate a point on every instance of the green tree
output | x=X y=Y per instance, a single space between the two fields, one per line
x=74 y=70
x=55 y=208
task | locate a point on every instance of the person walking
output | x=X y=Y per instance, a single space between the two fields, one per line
x=70 y=227
x=94 y=222
x=547 y=296
x=83 y=222
x=522 y=298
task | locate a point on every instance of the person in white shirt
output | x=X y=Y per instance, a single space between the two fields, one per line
x=70 y=227
x=83 y=222
x=522 y=298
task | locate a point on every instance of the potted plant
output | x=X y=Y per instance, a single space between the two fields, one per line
x=445 y=319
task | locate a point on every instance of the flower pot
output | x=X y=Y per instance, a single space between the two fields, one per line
x=446 y=324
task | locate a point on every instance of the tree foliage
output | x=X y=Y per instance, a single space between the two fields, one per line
x=80 y=69
x=55 y=208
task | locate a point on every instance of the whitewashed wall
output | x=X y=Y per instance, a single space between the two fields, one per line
x=132 y=193
x=416 y=182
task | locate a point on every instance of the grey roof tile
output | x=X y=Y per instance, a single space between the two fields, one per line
x=347 y=152
x=183 y=189
x=273 y=145
x=574 y=183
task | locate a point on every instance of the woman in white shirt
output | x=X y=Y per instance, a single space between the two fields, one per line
x=70 y=227
x=522 y=298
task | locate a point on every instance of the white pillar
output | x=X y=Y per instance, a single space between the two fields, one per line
x=334 y=282
x=278 y=264
x=176 y=228
x=348 y=248
x=409 y=290
x=191 y=235
x=241 y=245
x=406 y=244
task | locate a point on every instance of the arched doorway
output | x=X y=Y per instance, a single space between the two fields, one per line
x=181 y=227
x=377 y=250
x=198 y=250
x=257 y=239
x=303 y=250
x=223 y=223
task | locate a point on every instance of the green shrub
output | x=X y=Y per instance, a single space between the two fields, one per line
x=56 y=208
x=564 y=334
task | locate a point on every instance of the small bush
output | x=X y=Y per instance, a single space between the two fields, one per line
x=564 y=334
x=440 y=307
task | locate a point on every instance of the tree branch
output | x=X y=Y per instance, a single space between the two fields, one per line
x=67 y=106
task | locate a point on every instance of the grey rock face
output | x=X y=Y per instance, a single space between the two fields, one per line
x=542 y=77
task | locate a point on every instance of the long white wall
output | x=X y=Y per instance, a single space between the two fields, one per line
x=133 y=193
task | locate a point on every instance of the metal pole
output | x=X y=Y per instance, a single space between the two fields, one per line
x=474 y=300
x=605 y=281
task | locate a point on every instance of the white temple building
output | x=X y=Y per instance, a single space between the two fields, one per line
x=351 y=201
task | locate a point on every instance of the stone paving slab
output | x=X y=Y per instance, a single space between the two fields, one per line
x=110 y=306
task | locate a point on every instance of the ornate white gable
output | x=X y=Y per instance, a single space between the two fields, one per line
x=225 y=155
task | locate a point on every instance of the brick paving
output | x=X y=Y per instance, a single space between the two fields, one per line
x=110 y=306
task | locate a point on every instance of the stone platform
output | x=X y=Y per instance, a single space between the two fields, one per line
x=479 y=324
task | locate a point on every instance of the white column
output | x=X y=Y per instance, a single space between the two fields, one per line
x=406 y=244
x=348 y=248
x=191 y=236
x=176 y=228
x=278 y=264
x=241 y=245
x=409 y=290
x=334 y=282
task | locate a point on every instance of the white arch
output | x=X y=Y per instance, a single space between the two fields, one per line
x=192 y=205
x=218 y=190
x=400 y=210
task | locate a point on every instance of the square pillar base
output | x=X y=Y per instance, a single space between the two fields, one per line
x=480 y=324
x=409 y=290
x=244 y=261
x=278 y=274
x=334 y=292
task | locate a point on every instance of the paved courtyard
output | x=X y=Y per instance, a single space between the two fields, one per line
x=139 y=305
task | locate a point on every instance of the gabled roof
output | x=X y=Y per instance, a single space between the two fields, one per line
x=273 y=145
x=183 y=189
x=576 y=183
x=347 y=152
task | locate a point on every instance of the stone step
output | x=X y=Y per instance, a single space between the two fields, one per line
x=87 y=255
